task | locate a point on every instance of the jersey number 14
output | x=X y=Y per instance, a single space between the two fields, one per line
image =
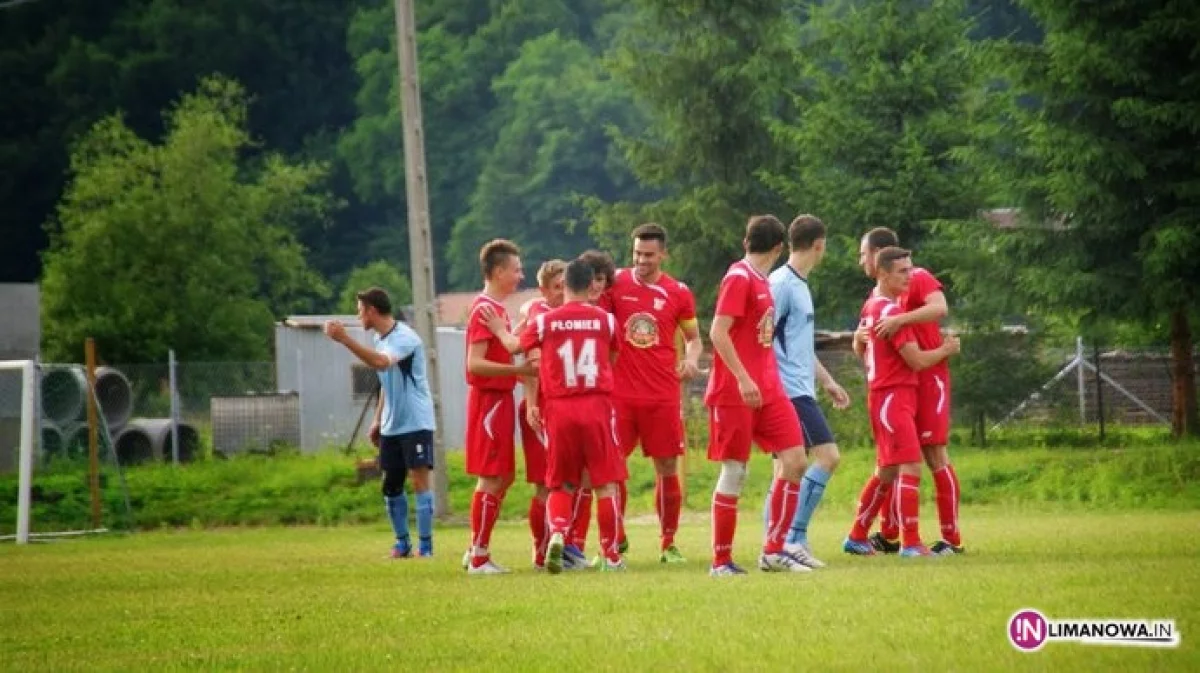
x=577 y=365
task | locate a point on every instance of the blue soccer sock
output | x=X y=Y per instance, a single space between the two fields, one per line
x=812 y=487
x=425 y=520
x=397 y=509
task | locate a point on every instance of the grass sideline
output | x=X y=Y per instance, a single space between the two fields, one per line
x=321 y=489
x=306 y=598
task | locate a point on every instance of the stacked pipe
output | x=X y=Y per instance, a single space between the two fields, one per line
x=64 y=407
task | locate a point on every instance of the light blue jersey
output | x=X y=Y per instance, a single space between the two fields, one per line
x=795 y=338
x=407 y=403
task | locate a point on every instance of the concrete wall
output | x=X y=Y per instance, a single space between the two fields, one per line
x=21 y=327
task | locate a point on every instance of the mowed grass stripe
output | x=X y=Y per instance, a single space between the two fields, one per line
x=327 y=598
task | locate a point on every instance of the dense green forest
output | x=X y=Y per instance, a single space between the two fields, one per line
x=180 y=174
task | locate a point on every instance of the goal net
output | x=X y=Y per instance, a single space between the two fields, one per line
x=46 y=465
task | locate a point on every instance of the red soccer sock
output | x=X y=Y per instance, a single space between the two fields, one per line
x=889 y=520
x=558 y=511
x=784 y=497
x=608 y=520
x=724 y=523
x=668 y=499
x=908 y=499
x=537 y=524
x=869 y=503
x=581 y=517
x=485 y=509
x=945 y=484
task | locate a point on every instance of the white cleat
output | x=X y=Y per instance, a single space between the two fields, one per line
x=782 y=562
x=466 y=562
x=803 y=554
x=488 y=568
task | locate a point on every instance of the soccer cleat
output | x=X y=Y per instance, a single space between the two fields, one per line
x=671 y=555
x=730 y=568
x=781 y=562
x=943 y=548
x=554 y=554
x=573 y=558
x=425 y=553
x=623 y=545
x=401 y=550
x=607 y=566
x=425 y=548
x=489 y=567
x=884 y=545
x=858 y=547
x=915 y=550
x=466 y=560
x=804 y=555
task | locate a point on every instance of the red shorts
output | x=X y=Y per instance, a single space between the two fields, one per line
x=773 y=426
x=894 y=424
x=533 y=444
x=933 y=406
x=491 y=417
x=656 y=426
x=582 y=434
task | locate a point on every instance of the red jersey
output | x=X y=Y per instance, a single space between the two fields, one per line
x=576 y=341
x=477 y=331
x=648 y=314
x=886 y=368
x=922 y=283
x=745 y=296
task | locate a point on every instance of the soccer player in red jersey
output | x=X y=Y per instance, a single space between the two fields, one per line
x=650 y=306
x=533 y=444
x=747 y=403
x=491 y=378
x=573 y=346
x=892 y=364
x=574 y=556
x=924 y=305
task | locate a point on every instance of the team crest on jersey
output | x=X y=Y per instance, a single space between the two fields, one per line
x=659 y=304
x=641 y=330
x=766 y=328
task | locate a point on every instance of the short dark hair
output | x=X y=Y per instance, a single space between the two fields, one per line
x=377 y=298
x=882 y=237
x=804 y=231
x=885 y=259
x=764 y=233
x=578 y=276
x=602 y=265
x=651 y=231
x=495 y=253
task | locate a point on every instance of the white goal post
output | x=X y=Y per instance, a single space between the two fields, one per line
x=29 y=428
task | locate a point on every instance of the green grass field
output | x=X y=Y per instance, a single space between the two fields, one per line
x=327 y=598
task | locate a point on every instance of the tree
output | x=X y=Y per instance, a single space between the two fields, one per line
x=554 y=104
x=376 y=274
x=181 y=244
x=709 y=77
x=886 y=95
x=462 y=48
x=1106 y=116
x=69 y=63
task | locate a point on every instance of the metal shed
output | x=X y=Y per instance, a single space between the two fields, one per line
x=334 y=386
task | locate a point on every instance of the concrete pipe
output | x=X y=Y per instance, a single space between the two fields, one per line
x=75 y=440
x=145 y=439
x=64 y=394
x=52 y=440
x=115 y=397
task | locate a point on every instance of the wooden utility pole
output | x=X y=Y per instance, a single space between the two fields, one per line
x=93 y=417
x=420 y=243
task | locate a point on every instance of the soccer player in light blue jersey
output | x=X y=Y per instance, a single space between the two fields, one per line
x=801 y=372
x=404 y=419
